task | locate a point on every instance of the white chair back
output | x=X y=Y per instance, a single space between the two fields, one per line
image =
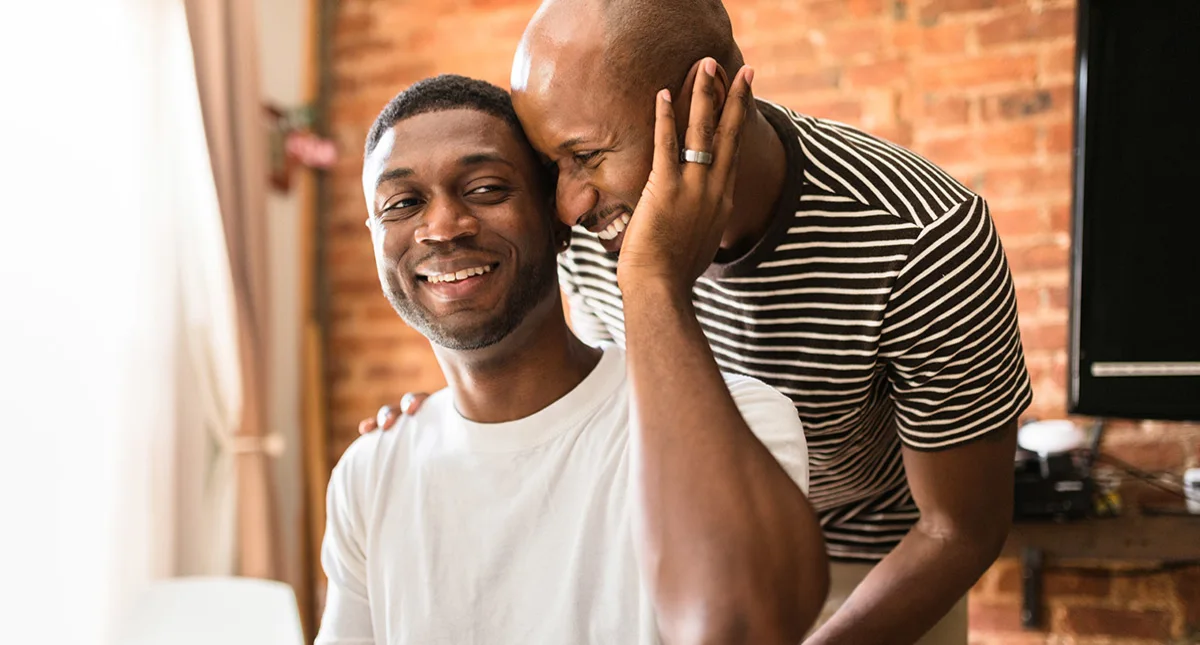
x=214 y=611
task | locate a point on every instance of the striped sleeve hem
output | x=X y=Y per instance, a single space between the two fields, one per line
x=950 y=336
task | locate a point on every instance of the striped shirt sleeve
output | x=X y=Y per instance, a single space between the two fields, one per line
x=584 y=321
x=950 y=339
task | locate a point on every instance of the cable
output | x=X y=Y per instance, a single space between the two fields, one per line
x=1148 y=478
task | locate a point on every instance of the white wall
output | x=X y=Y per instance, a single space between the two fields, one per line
x=283 y=38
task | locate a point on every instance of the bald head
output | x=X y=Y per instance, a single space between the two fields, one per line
x=583 y=85
x=632 y=46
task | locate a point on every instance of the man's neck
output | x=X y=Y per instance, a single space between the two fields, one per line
x=527 y=371
x=762 y=172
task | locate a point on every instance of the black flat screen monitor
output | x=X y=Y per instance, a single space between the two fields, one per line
x=1135 y=311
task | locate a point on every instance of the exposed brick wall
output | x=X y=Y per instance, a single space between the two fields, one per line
x=982 y=87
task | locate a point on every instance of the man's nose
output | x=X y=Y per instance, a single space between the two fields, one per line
x=575 y=198
x=446 y=220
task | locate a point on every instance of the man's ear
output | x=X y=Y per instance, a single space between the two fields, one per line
x=683 y=102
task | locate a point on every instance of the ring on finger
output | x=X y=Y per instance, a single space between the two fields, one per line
x=697 y=156
x=383 y=414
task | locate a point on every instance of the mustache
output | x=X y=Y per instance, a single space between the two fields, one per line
x=445 y=250
x=593 y=218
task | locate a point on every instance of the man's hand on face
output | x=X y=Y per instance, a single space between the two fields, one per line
x=389 y=414
x=676 y=229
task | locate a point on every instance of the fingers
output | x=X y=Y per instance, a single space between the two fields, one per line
x=389 y=414
x=729 y=132
x=412 y=402
x=666 y=142
x=702 y=119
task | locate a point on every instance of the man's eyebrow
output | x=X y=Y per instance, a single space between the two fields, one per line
x=570 y=143
x=392 y=175
x=482 y=158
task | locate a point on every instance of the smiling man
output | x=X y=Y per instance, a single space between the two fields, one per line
x=852 y=275
x=556 y=492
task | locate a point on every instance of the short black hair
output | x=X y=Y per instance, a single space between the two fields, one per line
x=444 y=92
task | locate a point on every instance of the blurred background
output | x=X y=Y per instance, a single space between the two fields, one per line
x=193 y=326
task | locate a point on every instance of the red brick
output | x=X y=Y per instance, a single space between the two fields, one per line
x=935 y=10
x=994 y=616
x=790 y=52
x=890 y=72
x=1047 y=256
x=1026 y=26
x=1013 y=222
x=1012 y=182
x=1044 y=335
x=1099 y=621
x=1029 y=299
x=820 y=12
x=1018 y=105
x=1017 y=141
x=982 y=71
x=944 y=39
x=1187 y=586
x=948 y=151
x=1058 y=583
x=798 y=82
x=844 y=110
x=946 y=110
x=1150 y=455
x=853 y=40
x=868 y=8
x=1060 y=138
x=1059 y=61
x=1058 y=297
x=1008 y=575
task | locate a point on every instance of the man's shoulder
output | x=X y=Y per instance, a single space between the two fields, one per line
x=371 y=454
x=841 y=160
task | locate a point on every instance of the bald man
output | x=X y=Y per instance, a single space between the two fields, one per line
x=854 y=276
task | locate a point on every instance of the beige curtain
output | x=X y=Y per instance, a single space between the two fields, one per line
x=225 y=48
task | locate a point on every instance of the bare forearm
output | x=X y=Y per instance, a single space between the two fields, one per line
x=908 y=592
x=728 y=543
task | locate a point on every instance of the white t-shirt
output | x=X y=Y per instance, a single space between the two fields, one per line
x=443 y=531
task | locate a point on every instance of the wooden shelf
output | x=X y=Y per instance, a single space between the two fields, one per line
x=1128 y=537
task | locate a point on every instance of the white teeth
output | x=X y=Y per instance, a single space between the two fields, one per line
x=613 y=230
x=459 y=275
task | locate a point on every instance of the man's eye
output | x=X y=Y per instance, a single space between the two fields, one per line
x=401 y=204
x=587 y=158
x=492 y=193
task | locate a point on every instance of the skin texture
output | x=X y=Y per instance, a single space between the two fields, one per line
x=455 y=189
x=579 y=113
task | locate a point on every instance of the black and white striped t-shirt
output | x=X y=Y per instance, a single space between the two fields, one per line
x=879 y=301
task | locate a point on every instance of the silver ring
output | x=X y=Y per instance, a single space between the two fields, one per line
x=382 y=415
x=697 y=156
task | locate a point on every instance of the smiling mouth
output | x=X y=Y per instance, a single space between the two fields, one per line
x=461 y=274
x=614 y=228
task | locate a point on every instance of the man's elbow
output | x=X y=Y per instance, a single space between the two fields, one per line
x=983 y=537
x=782 y=619
x=994 y=535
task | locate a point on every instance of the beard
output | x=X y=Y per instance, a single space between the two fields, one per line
x=534 y=281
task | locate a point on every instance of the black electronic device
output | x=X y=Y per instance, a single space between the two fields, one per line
x=1056 y=486
x=1135 y=311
